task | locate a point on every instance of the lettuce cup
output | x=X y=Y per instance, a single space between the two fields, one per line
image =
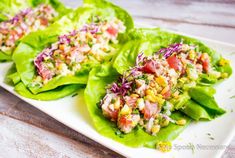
x=64 y=53
x=158 y=82
x=19 y=19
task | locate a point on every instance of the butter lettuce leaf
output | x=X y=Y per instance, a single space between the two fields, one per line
x=150 y=41
x=99 y=77
x=12 y=7
x=54 y=94
x=160 y=38
x=31 y=45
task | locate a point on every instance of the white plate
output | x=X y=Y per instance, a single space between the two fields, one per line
x=72 y=112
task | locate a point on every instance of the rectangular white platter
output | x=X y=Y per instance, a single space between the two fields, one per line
x=72 y=112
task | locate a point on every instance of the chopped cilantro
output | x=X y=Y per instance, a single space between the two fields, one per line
x=136 y=111
x=74 y=94
x=90 y=43
x=112 y=101
x=119 y=133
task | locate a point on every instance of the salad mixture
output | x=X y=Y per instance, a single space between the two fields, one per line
x=23 y=23
x=145 y=94
x=66 y=56
x=156 y=96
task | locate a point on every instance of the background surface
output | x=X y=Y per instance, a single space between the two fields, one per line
x=27 y=132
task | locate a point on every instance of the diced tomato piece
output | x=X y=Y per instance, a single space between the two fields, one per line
x=3 y=31
x=205 y=60
x=124 y=121
x=175 y=63
x=149 y=67
x=205 y=65
x=112 y=114
x=112 y=31
x=44 y=21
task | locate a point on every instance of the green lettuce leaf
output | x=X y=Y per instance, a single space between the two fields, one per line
x=149 y=41
x=110 y=10
x=204 y=97
x=31 y=45
x=99 y=77
x=128 y=53
x=195 y=111
x=159 y=38
x=12 y=77
x=12 y=7
x=54 y=94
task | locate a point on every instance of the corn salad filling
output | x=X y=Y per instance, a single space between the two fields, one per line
x=66 y=56
x=29 y=20
x=144 y=95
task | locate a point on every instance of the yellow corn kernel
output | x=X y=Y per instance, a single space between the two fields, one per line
x=60 y=67
x=166 y=89
x=88 y=35
x=125 y=110
x=157 y=86
x=224 y=75
x=104 y=49
x=61 y=47
x=117 y=104
x=181 y=122
x=155 y=129
x=223 y=62
x=164 y=122
x=138 y=83
x=151 y=98
x=160 y=100
x=154 y=98
x=154 y=90
x=140 y=103
x=192 y=54
x=149 y=92
x=156 y=121
x=152 y=84
x=161 y=81
x=134 y=95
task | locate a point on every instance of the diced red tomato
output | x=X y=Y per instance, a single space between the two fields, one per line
x=3 y=31
x=124 y=121
x=205 y=60
x=112 y=31
x=149 y=67
x=175 y=63
x=44 y=21
x=112 y=114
